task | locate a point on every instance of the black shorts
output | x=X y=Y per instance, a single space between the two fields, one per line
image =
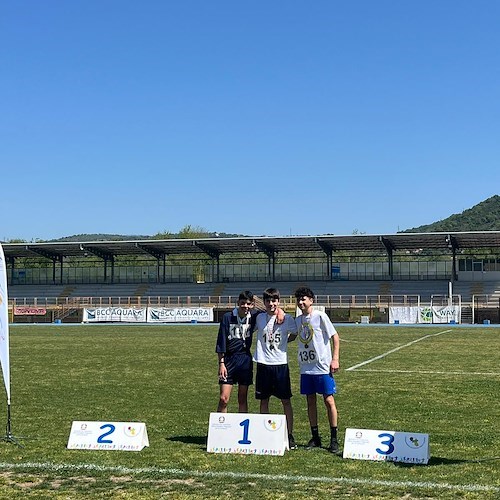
x=273 y=380
x=239 y=369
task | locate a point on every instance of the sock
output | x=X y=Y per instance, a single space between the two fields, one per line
x=315 y=432
x=333 y=432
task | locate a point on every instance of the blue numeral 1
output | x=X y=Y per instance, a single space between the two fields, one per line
x=245 y=424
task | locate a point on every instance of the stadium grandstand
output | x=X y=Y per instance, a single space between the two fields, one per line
x=353 y=276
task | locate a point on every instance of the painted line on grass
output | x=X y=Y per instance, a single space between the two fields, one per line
x=89 y=467
x=394 y=350
x=429 y=372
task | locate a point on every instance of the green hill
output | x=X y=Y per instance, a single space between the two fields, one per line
x=484 y=216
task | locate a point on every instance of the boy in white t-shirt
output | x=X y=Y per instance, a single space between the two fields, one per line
x=273 y=374
x=317 y=336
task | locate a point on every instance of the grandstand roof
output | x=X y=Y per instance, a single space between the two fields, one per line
x=216 y=246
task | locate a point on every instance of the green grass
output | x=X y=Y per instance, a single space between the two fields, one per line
x=445 y=385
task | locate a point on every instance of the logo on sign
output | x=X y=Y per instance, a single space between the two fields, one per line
x=413 y=442
x=272 y=425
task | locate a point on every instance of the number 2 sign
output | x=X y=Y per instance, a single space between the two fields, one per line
x=247 y=433
x=120 y=436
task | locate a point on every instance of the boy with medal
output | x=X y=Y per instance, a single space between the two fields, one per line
x=273 y=374
x=317 y=337
x=234 y=342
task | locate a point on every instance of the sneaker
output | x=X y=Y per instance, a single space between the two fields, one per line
x=291 y=442
x=314 y=443
x=334 y=446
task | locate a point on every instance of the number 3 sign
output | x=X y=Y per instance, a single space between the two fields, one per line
x=390 y=446
x=121 y=436
x=247 y=433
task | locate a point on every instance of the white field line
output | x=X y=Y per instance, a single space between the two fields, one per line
x=89 y=467
x=492 y=374
x=396 y=349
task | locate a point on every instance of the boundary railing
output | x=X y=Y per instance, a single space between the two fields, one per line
x=223 y=301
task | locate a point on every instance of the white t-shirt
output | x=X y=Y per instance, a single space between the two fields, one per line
x=272 y=339
x=314 y=351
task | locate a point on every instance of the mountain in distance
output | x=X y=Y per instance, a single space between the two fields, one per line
x=484 y=216
x=120 y=237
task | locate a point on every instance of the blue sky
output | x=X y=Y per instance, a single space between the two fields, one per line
x=258 y=118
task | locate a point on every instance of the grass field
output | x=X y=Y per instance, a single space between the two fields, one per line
x=446 y=385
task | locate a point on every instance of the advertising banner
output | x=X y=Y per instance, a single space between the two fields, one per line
x=425 y=315
x=180 y=314
x=4 y=325
x=114 y=314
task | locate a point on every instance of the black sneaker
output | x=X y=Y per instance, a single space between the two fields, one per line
x=314 y=443
x=334 y=446
x=291 y=442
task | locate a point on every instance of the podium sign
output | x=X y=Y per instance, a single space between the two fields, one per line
x=109 y=436
x=247 y=433
x=389 y=446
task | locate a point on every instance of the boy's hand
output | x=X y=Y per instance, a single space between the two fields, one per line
x=280 y=316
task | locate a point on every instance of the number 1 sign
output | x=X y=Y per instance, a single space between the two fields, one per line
x=247 y=433
x=120 y=436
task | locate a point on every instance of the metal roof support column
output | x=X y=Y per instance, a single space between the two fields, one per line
x=389 y=249
x=271 y=266
x=212 y=252
x=453 y=246
x=329 y=256
x=106 y=260
x=54 y=261
x=12 y=262
x=216 y=264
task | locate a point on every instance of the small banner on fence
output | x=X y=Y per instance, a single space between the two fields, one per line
x=30 y=311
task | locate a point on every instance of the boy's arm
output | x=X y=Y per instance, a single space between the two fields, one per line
x=335 y=364
x=292 y=328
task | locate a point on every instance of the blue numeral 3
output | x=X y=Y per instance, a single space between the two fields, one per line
x=388 y=442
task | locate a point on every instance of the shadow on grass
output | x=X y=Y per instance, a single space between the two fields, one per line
x=448 y=461
x=200 y=440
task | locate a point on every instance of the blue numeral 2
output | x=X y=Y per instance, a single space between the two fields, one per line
x=101 y=439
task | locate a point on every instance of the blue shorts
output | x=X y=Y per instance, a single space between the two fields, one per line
x=272 y=380
x=318 y=384
x=239 y=369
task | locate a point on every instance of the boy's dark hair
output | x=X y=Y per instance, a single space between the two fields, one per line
x=247 y=295
x=271 y=294
x=304 y=291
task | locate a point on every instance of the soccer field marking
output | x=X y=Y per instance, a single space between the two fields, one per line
x=429 y=372
x=395 y=349
x=89 y=467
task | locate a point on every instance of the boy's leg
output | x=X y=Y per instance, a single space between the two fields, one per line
x=243 y=398
x=331 y=409
x=264 y=405
x=312 y=413
x=312 y=410
x=225 y=393
x=288 y=411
